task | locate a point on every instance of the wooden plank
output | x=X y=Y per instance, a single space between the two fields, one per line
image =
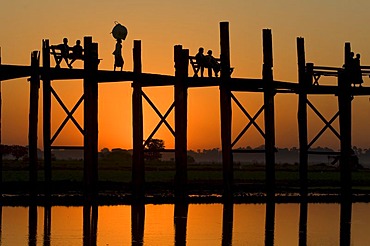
x=14 y=72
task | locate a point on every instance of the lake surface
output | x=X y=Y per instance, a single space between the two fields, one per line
x=194 y=224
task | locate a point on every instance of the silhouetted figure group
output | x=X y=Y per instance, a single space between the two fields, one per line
x=354 y=69
x=67 y=53
x=207 y=61
x=118 y=59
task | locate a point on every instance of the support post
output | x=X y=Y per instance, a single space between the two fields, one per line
x=181 y=102
x=46 y=92
x=345 y=125
x=226 y=111
x=138 y=165
x=302 y=116
x=90 y=119
x=269 y=93
x=1 y=141
x=33 y=120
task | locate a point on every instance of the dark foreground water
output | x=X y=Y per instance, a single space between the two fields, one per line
x=194 y=224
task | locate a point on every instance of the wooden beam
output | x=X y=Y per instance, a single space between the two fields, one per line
x=90 y=119
x=14 y=72
x=181 y=101
x=33 y=120
x=138 y=165
x=226 y=111
x=269 y=94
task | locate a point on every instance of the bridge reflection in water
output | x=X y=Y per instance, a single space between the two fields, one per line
x=188 y=224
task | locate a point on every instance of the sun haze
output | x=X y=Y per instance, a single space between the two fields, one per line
x=325 y=25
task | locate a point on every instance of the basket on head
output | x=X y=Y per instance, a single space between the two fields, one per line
x=119 y=31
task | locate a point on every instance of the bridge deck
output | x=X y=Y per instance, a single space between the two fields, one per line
x=8 y=72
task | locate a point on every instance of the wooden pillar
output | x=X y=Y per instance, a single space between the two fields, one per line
x=302 y=116
x=138 y=165
x=46 y=94
x=33 y=119
x=345 y=124
x=1 y=141
x=181 y=103
x=90 y=119
x=269 y=93
x=226 y=111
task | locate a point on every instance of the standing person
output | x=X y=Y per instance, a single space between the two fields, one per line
x=357 y=74
x=118 y=59
x=200 y=58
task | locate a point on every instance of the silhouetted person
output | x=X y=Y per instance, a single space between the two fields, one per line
x=357 y=74
x=76 y=52
x=118 y=59
x=64 y=51
x=200 y=58
x=211 y=64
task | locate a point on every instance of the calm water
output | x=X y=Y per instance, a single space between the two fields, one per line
x=195 y=224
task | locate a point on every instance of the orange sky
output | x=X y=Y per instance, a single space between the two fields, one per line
x=326 y=25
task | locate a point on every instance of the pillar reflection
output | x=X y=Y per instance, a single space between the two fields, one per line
x=47 y=225
x=90 y=225
x=270 y=222
x=137 y=223
x=180 y=221
x=32 y=225
x=227 y=224
x=303 y=223
x=345 y=222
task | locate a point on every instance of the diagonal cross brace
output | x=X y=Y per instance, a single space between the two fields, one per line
x=252 y=120
x=162 y=117
x=69 y=115
x=327 y=124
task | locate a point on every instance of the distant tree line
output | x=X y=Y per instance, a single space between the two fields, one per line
x=16 y=151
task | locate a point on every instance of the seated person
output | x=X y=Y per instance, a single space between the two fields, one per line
x=200 y=58
x=212 y=63
x=64 y=52
x=76 y=53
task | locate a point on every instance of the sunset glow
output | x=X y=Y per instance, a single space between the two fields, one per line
x=325 y=25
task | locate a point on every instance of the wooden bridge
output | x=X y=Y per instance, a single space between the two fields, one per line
x=307 y=84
